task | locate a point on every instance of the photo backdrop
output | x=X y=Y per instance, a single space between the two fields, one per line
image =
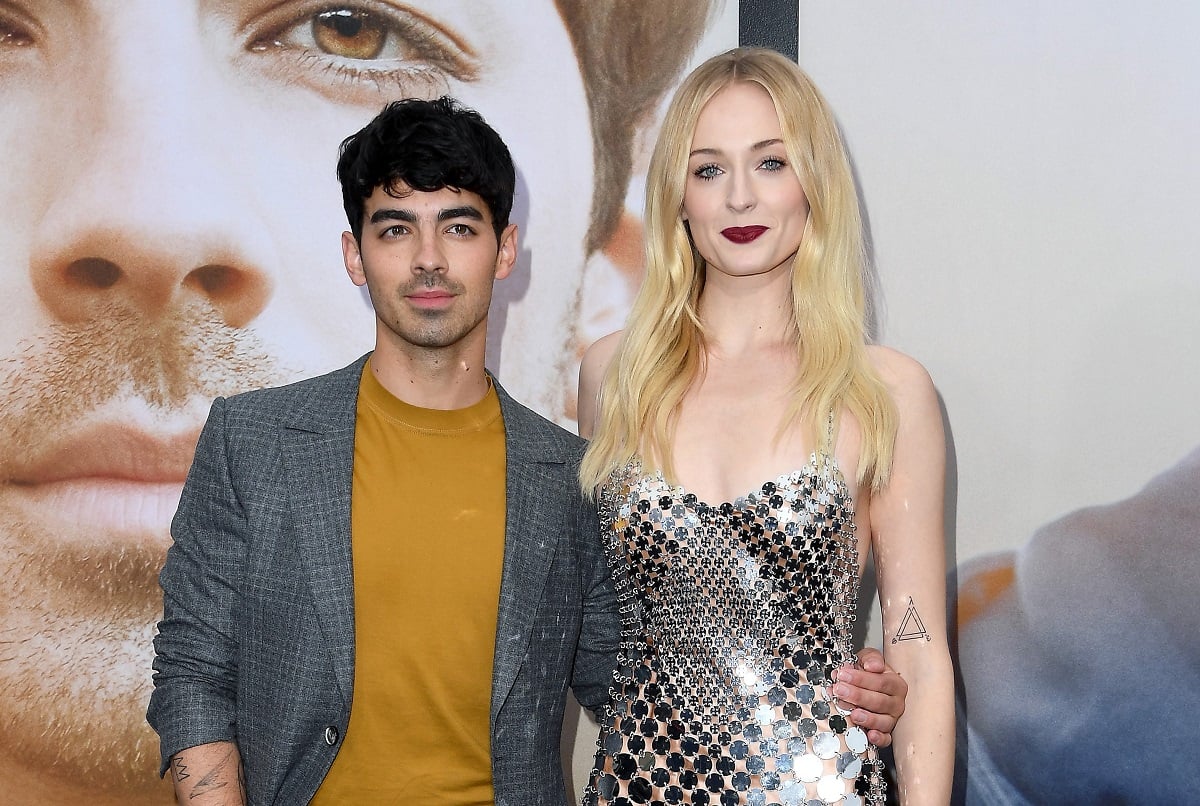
x=1029 y=174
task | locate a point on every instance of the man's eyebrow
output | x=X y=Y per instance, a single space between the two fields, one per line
x=465 y=211
x=761 y=144
x=392 y=214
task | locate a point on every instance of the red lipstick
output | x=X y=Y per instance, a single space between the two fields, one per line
x=743 y=234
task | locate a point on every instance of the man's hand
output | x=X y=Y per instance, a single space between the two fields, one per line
x=209 y=775
x=875 y=692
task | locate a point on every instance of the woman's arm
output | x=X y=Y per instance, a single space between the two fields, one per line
x=908 y=540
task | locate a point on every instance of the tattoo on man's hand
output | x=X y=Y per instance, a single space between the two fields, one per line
x=206 y=785
x=216 y=778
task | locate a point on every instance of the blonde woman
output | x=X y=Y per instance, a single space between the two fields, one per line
x=748 y=448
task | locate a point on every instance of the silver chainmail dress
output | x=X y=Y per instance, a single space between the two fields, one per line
x=734 y=618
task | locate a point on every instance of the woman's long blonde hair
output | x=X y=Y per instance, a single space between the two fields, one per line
x=660 y=352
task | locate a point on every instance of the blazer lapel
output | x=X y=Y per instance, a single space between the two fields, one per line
x=318 y=455
x=528 y=547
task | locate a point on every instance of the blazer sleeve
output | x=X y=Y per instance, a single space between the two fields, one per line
x=195 y=664
x=600 y=633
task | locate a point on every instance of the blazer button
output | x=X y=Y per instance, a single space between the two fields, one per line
x=331 y=735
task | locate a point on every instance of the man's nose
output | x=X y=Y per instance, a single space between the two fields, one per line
x=430 y=256
x=152 y=209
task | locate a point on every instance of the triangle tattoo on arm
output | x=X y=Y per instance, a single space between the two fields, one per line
x=911 y=628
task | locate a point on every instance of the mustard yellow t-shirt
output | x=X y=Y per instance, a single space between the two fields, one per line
x=427 y=535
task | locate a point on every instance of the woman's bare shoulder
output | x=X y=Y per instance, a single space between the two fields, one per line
x=591 y=374
x=905 y=377
x=597 y=357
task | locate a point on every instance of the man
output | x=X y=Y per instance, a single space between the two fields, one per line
x=268 y=628
x=346 y=539
x=165 y=239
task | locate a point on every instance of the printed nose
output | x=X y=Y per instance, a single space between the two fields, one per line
x=150 y=209
x=108 y=264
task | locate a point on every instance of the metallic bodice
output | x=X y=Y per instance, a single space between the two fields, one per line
x=735 y=617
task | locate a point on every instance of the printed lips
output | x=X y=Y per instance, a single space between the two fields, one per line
x=112 y=478
x=743 y=234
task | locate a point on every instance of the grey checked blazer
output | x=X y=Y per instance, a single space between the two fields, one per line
x=256 y=644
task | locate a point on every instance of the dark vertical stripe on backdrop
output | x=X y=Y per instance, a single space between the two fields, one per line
x=770 y=24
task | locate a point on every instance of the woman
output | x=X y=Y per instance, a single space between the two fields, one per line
x=749 y=448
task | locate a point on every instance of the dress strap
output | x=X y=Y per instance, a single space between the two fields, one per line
x=827 y=444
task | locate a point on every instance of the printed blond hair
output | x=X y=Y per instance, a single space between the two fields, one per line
x=661 y=349
x=629 y=53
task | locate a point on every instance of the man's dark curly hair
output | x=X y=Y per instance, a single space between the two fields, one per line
x=426 y=145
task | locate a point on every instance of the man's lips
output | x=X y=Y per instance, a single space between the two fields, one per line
x=433 y=298
x=743 y=234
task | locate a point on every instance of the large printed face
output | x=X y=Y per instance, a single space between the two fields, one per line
x=170 y=232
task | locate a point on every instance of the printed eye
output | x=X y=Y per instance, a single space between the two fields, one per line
x=349 y=33
x=13 y=32
x=372 y=44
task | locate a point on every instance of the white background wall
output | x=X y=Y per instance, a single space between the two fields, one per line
x=1031 y=177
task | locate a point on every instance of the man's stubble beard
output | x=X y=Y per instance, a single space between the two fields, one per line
x=77 y=613
x=436 y=330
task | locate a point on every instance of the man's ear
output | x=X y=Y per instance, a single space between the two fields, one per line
x=353 y=258
x=506 y=255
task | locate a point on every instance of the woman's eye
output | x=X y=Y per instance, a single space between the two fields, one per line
x=773 y=164
x=12 y=38
x=707 y=171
